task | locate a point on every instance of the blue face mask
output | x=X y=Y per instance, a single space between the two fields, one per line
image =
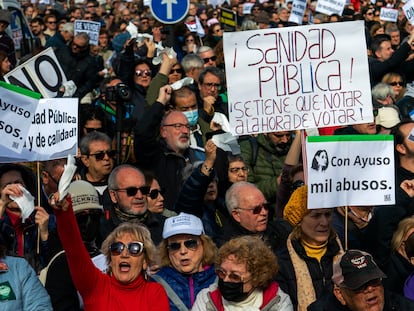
x=192 y=116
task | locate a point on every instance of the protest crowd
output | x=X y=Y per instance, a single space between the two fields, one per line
x=161 y=206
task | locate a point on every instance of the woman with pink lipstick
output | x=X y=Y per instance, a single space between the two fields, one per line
x=187 y=257
x=128 y=249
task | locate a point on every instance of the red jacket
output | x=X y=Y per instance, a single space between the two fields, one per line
x=101 y=291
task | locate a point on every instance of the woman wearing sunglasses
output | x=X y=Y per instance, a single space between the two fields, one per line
x=187 y=257
x=246 y=268
x=128 y=250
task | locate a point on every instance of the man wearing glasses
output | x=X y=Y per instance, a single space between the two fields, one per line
x=167 y=155
x=358 y=286
x=78 y=65
x=97 y=158
x=249 y=213
x=128 y=202
x=51 y=24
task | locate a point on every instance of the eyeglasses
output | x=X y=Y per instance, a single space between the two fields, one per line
x=178 y=126
x=141 y=73
x=154 y=193
x=372 y=283
x=370 y=13
x=213 y=85
x=189 y=40
x=257 y=209
x=176 y=71
x=207 y=59
x=134 y=248
x=92 y=129
x=395 y=83
x=218 y=30
x=132 y=191
x=189 y=244
x=99 y=156
x=239 y=169
x=52 y=22
x=233 y=277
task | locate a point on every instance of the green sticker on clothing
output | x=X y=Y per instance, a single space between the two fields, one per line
x=6 y=292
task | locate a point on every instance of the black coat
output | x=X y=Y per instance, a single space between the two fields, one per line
x=153 y=154
x=397 y=271
x=81 y=68
x=320 y=272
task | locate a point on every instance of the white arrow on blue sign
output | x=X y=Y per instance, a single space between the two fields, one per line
x=169 y=11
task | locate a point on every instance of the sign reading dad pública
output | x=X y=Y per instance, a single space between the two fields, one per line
x=302 y=77
x=350 y=170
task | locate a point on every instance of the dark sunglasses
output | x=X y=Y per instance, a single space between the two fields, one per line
x=92 y=129
x=400 y=83
x=176 y=71
x=52 y=22
x=132 y=191
x=257 y=209
x=189 y=244
x=134 y=248
x=141 y=73
x=153 y=194
x=99 y=156
x=207 y=59
x=372 y=283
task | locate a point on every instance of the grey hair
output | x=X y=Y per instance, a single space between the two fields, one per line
x=234 y=194
x=381 y=90
x=191 y=61
x=92 y=137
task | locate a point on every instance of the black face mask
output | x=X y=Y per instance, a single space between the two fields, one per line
x=232 y=291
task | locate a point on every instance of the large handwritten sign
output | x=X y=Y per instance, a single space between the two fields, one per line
x=297 y=77
x=350 y=170
x=53 y=132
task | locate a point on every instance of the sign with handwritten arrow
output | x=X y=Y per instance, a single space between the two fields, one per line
x=169 y=11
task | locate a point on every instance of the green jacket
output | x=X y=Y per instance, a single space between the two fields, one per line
x=266 y=169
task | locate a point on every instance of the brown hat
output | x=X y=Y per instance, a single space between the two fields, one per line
x=262 y=18
x=5 y=16
x=297 y=207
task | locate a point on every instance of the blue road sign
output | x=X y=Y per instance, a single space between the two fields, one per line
x=169 y=11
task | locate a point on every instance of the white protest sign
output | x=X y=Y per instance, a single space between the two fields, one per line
x=389 y=15
x=53 y=132
x=297 y=11
x=301 y=77
x=247 y=7
x=350 y=170
x=90 y=27
x=17 y=107
x=330 y=7
x=41 y=73
x=408 y=9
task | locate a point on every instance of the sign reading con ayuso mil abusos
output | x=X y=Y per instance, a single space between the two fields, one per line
x=350 y=170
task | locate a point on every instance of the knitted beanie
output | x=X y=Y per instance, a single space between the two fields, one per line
x=297 y=207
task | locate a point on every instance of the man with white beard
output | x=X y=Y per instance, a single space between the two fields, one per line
x=168 y=153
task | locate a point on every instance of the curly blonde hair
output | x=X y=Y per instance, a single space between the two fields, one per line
x=139 y=232
x=260 y=261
